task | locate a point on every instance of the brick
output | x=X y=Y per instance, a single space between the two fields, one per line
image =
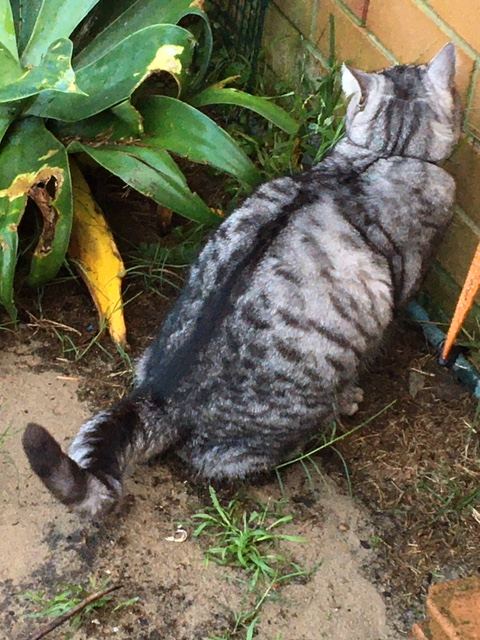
x=413 y=37
x=442 y=294
x=453 y=610
x=359 y=8
x=299 y=12
x=352 y=42
x=458 y=247
x=418 y=633
x=462 y=16
x=283 y=44
x=464 y=166
x=473 y=113
x=456 y=605
x=429 y=631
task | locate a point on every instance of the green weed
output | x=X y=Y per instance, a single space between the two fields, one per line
x=4 y=435
x=244 y=540
x=245 y=621
x=68 y=597
x=326 y=440
x=5 y=455
x=248 y=541
x=317 y=105
x=450 y=498
x=158 y=266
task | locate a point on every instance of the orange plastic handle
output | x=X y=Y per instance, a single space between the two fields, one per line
x=464 y=304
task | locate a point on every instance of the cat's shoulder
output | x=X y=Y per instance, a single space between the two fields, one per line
x=407 y=174
x=402 y=168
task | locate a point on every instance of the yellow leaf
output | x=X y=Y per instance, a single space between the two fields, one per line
x=93 y=249
x=166 y=59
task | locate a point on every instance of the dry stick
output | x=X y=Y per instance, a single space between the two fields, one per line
x=73 y=612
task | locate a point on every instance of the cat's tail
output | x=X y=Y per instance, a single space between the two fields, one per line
x=89 y=478
x=64 y=478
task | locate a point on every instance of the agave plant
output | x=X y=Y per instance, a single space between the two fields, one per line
x=71 y=79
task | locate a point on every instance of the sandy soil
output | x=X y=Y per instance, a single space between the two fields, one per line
x=42 y=546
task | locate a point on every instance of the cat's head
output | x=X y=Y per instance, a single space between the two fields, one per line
x=407 y=110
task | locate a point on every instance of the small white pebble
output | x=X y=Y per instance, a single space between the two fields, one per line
x=115 y=629
x=95 y=621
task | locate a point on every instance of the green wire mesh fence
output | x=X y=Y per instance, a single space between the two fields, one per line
x=242 y=23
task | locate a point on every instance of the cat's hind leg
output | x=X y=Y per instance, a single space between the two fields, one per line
x=220 y=462
x=348 y=400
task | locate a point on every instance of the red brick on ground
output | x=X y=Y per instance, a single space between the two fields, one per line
x=453 y=612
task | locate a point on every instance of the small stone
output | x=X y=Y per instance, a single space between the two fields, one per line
x=343 y=526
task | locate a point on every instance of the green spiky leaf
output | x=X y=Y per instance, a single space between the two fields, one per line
x=7 y=29
x=30 y=155
x=263 y=106
x=55 y=20
x=107 y=82
x=55 y=73
x=182 y=129
x=151 y=171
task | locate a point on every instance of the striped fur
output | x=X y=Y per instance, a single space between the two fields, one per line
x=287 y=299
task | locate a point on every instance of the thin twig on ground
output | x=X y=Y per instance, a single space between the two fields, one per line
x=73 y=612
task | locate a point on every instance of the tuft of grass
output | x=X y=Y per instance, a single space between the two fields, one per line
x=245 y=622
x=8 y=326
x=73 y=345
x=245 y=540
x=327 y=440
x=451 y=499
x=5 y=455
x=317 y=104
x=75 y=352
x=158 y=265
x=4 y=435
x=68 y=597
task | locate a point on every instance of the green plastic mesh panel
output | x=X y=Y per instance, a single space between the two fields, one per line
x=242 y=24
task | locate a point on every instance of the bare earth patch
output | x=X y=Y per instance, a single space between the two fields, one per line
x=43 y=547
x=411 y=521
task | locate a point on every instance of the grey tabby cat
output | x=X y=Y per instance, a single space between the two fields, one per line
x=287 y=299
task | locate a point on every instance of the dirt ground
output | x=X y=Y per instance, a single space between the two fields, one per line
x=413 y=472
x=394 y=507
x=42 y=546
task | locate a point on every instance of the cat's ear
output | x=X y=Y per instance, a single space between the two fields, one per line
x=355 y=83
x=441 y=69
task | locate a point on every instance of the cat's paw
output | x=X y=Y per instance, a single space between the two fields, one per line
x=348 y=409
x=357 y=394
x=349 y=401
